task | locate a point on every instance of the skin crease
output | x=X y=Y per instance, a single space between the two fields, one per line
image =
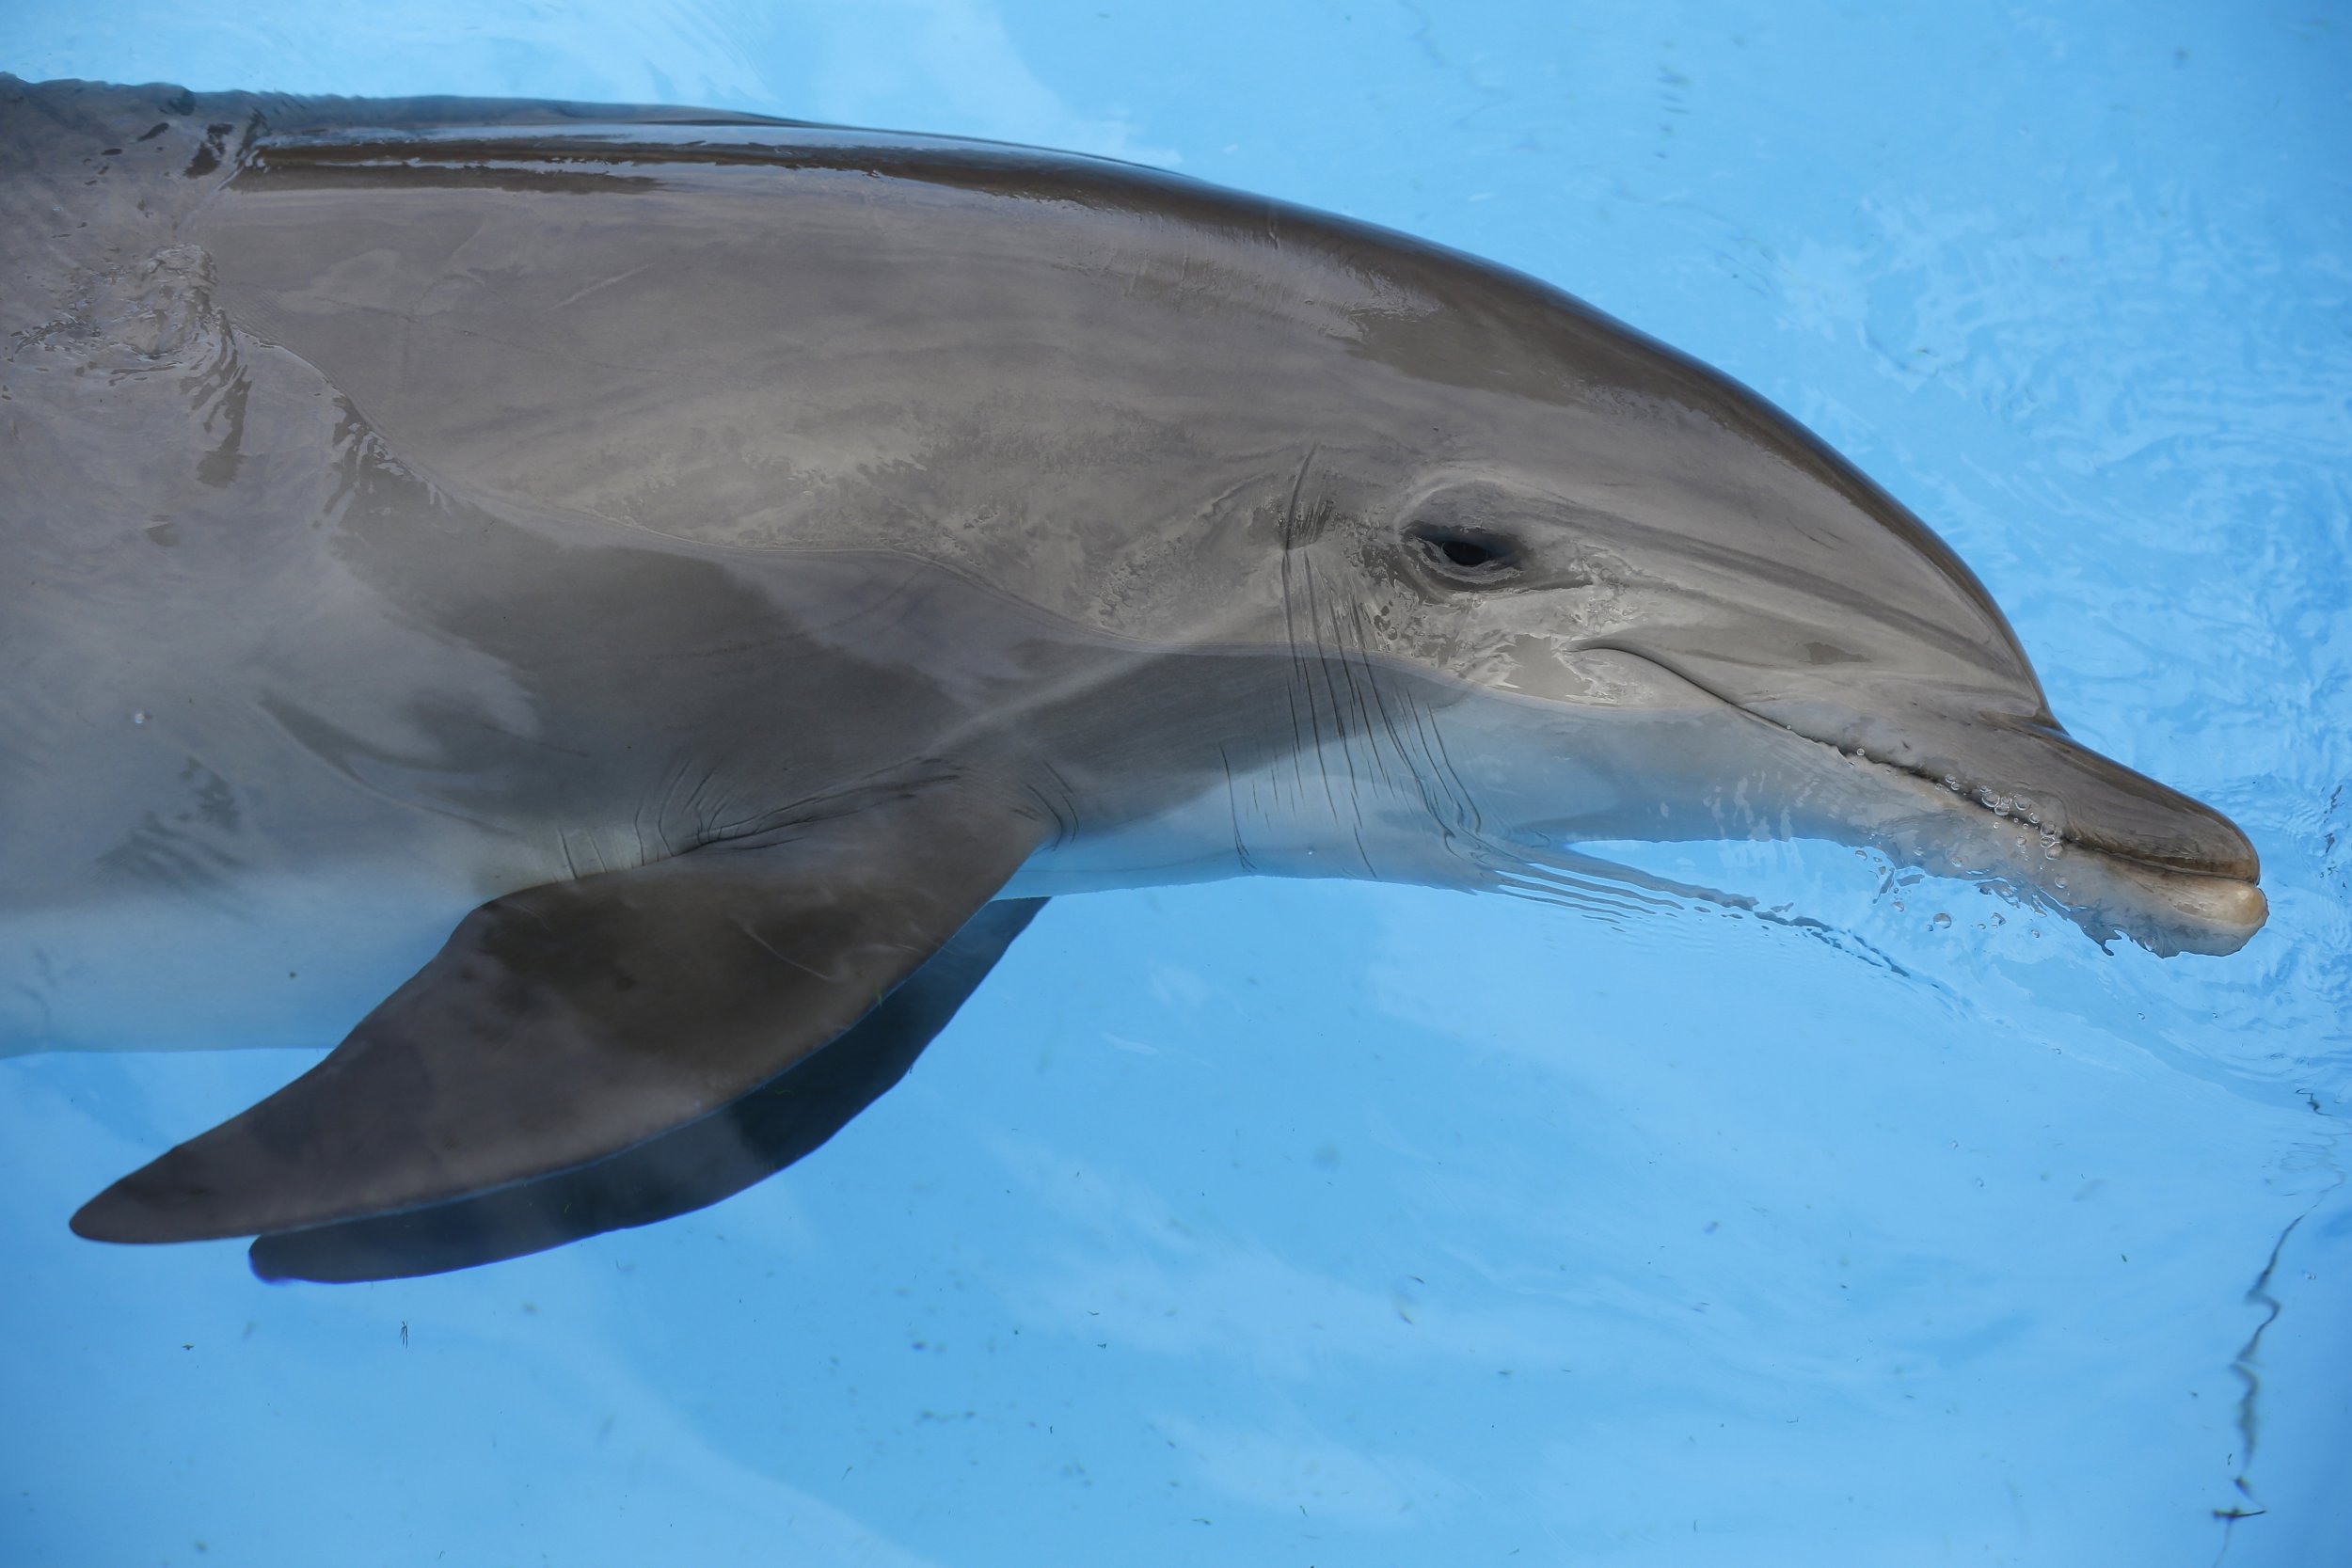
x=443 y=498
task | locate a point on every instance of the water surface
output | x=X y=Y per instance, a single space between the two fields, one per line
x=1280 y=1223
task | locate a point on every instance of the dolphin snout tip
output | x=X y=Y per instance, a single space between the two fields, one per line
x=2183 y=912
x=2226 y=905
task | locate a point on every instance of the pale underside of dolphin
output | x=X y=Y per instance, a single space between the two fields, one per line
x=749 y=564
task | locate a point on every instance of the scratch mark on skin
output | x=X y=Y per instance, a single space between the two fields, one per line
x=637 y=830
x=1433 y=731
x=1232 y=801
x=1290 y=513
x=1342 y=667
x=37 y=993
x=784 y=959
x=1319 y=669
x=767 y=826
x=1061 y=805
x=578 y=294
x=1414 y=761
x=699 y=820
x=1299 y=661
x=1420 y=764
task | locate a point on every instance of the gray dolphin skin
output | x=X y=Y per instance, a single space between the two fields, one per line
x=641 y=604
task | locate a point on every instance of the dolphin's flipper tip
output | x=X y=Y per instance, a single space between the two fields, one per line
x=479 y=1110
x=194 y=1192
x=686 y=1168
x=126 y=1211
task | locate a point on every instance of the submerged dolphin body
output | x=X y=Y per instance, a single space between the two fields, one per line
x=754 y=562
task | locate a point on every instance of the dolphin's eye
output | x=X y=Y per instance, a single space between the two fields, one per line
x=1465 y=555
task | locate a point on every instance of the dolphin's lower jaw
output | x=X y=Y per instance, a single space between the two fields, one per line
x=2070 y=829
x=2167 y=910
x=2213 y=915
x=2099 y=884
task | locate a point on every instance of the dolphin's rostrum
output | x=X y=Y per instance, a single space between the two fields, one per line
x=748 y=565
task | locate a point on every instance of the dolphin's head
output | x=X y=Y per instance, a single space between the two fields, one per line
x=1627 y=533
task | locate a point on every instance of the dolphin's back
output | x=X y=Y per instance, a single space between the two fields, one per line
x=743 y=335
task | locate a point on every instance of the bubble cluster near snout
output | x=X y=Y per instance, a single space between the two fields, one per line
x=2008 y=807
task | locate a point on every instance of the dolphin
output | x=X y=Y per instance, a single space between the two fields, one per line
x=642 y=604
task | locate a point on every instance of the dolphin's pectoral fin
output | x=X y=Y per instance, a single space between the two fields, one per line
x=673 y=1173
x=569 y=1022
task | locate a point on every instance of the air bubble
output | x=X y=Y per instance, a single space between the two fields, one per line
x=1941 y=921
x=141 y=716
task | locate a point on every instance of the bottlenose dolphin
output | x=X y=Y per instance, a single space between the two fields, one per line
x=711 y=576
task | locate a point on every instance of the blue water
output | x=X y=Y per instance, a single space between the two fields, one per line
x=1293 y=1223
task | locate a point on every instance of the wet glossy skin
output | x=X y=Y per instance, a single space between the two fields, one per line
x=444 y=508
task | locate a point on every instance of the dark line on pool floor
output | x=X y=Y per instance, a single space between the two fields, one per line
x=2247 y=1358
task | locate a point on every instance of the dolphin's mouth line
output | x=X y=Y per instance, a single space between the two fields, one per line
x=1983 y=797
